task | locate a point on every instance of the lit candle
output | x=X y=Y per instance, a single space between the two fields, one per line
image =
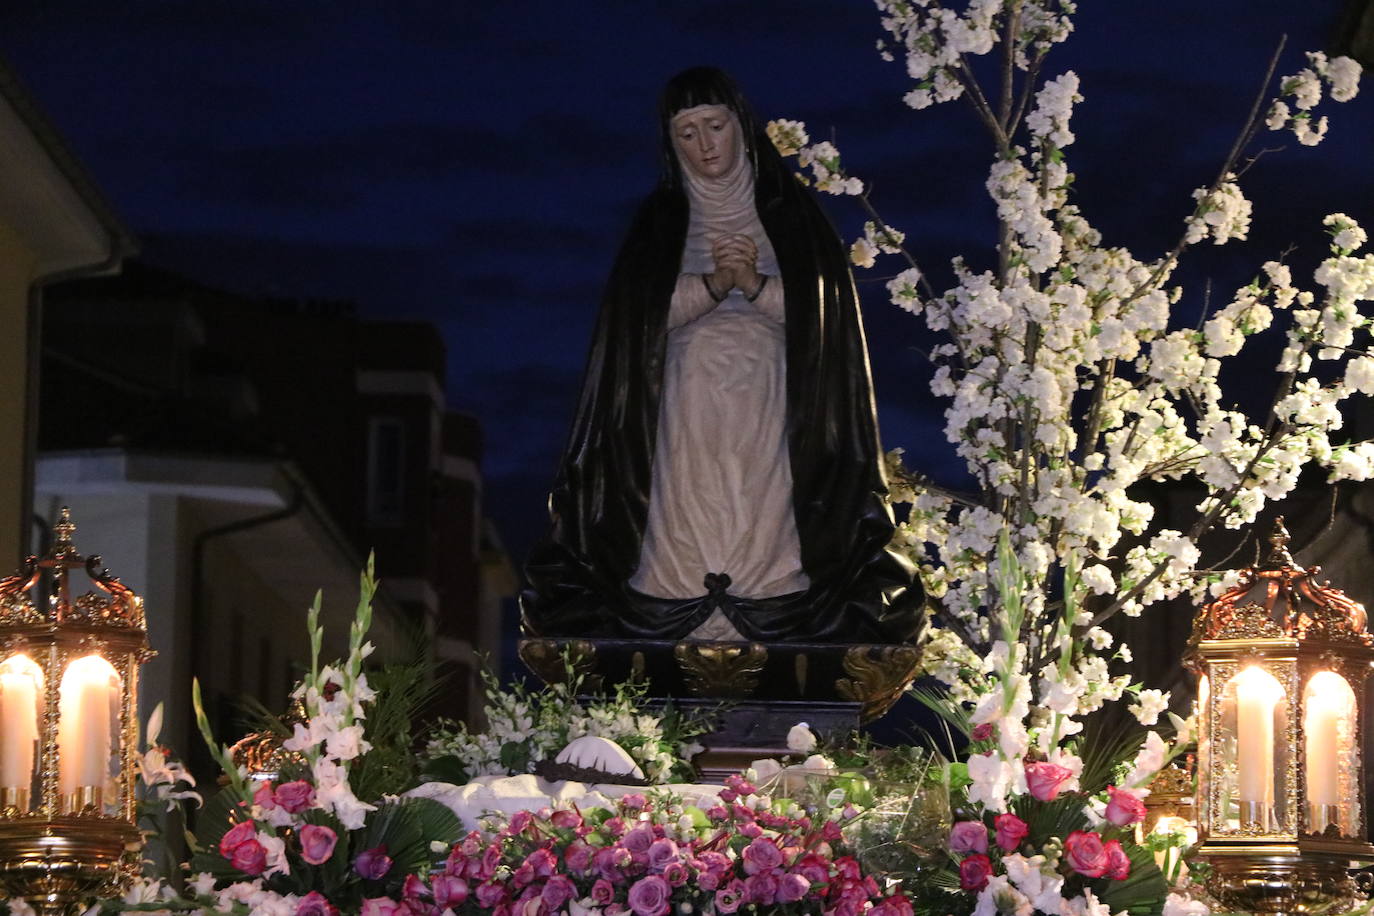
x=19 y=680
x=1256 y=695
x=1321 y=723
x=88 y=698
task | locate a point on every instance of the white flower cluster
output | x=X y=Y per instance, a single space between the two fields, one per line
x=159 y=773
x=1222 y=214
x=875 y=240
x=788 y=136
x=1304 y=90
x=332 y=735
x=934 y=39
x=542 y=724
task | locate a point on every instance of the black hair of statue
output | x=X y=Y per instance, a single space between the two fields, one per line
x=703 y=86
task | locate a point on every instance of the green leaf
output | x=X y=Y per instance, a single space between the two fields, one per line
x=407 y=826
x=515 y=756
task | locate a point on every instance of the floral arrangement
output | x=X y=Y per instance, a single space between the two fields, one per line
x=1070 y=376
x=525 y=727
x=651 y=856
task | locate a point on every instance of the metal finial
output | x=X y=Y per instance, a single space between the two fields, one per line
x=62 y=534
x=1279 y=556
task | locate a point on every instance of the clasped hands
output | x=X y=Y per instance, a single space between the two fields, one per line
x=736 y=258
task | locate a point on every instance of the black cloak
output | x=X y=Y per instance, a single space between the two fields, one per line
x=860 y=590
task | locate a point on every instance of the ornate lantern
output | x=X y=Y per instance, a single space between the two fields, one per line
x=68 y=729
x=1283 y=664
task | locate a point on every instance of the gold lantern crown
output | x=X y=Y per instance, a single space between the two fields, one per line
x=118 y=608
x=1279 y=600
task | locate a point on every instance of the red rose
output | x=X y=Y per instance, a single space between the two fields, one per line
x=249 y=857
x=236 y=836
x=1086 y=854
x=974 y=872
x=1011 y=830
x=1118 y=863
x=982 y=732
x=1046 y=780
x=1123 y=807
x=316 y=904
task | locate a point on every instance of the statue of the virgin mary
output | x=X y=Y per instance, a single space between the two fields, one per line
x=723 y=476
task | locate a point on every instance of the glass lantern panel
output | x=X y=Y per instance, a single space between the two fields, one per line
x=88 y=735
x=1250 y=754
x=1331 y=754
x=21 y=711
x=1202 y=714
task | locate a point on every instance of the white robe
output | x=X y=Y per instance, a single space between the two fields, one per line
x=721 y=497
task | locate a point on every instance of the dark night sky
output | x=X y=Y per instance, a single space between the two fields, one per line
x=473 y=163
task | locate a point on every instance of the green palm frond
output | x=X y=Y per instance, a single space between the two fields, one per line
x=406 y=827
x=1142 y=893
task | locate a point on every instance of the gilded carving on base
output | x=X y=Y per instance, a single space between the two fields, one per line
x=545 y=657
x=720 y=669
x=878 y=676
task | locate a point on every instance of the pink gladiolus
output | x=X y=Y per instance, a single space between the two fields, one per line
x=317 y=843
x=1046 y=780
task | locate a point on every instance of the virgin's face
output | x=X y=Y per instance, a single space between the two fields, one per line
x=705 y=138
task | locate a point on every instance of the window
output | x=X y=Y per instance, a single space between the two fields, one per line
x=385 y=471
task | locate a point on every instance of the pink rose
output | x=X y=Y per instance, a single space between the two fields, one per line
x=639 y=840
x=518 y=822
x=316 y=904
x=296 y=796
x=813 y=868
x=249 y=857
x=557 y=891
x=974 y=872
x=968 y=836
x=1046 y=780
x=414 y=887
x=491 y=893
x=1086 y=854
x=792 y=888
x=1118 y=863
x=1123 y=807
x=613 y=827
x=374 y=863
x=263 y=797
x=566 y=819
x=896 y=905
x=761 y=855
x=661 y=852
x=1011 y=830
x=649 y=896
x=602 y=892
x=380 y=906
x=578 y=857
x=543 y=862
x=729 y=898
x=634 y=801
x=317 y=843
x=761 y=888
x=675 y=873
x=449 y=891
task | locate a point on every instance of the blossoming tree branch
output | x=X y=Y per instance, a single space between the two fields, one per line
x=1069 y=377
